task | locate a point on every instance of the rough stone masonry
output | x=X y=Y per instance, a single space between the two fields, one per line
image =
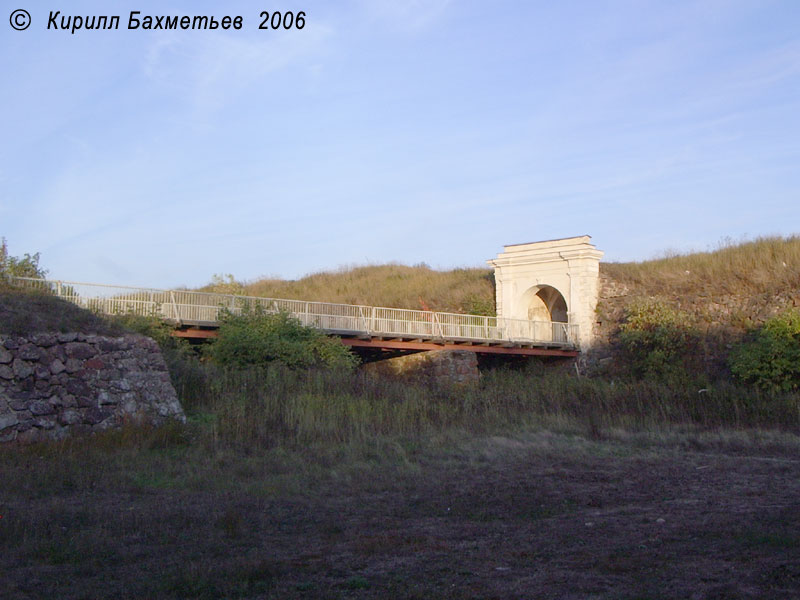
x=56 y=384
x=435 y=367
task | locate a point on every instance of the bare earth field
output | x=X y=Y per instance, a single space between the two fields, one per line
x=539 y=515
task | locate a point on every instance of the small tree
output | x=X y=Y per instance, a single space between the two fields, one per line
x=257 y=338
x=225 y=284
x=770 y=357
x=657 y=340
x=27 y=266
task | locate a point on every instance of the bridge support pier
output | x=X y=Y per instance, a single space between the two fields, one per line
x=433 y=367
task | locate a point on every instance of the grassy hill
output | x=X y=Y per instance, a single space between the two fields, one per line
x=718 y=296
x=734 y=287
x=728 y=290
x=722 y=293
x=758 y=277
x=769 y=265
x=24 y=312
x=392 y=285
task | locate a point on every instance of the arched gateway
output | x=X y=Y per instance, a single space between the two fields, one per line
x=554 y=280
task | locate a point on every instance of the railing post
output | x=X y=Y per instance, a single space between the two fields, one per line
x=174 y=306
x=438 y=323
x=363 y=319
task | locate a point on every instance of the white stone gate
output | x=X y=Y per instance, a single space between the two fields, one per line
x=554 y=280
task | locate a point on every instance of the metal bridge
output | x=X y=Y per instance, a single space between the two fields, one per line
x=197 y=315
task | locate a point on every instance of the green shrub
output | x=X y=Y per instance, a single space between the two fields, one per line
x=225 y=284
x=27 y=266
x=257 y=338
x=657 y=340
x=480 y=305
x=153 y=327
x=770 y=358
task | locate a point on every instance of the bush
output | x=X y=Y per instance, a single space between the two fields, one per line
x=479 y=305
x=224 y=284
x=657 y=340
x=257 y=338
x=153 y=327
x=770 y=358
x=27 y=266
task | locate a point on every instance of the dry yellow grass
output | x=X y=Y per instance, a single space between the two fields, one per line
x=468 y=290
x=763 y=266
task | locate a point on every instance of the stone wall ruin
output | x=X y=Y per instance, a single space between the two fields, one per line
x=56 y=384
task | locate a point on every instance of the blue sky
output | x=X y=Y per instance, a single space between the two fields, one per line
x=403 y=130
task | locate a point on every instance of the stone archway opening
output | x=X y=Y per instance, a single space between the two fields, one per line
x=546 y=307
x=546 y=303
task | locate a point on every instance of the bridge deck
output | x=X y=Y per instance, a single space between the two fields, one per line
x=199 y=311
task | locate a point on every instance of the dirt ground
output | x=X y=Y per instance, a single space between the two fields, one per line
x=540 y=516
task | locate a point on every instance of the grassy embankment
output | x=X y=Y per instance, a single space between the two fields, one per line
x=767 y=267
x=23 y=312
x=396 y=286
x=757 y=272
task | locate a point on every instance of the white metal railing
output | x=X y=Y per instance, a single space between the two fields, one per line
x=203 y=308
